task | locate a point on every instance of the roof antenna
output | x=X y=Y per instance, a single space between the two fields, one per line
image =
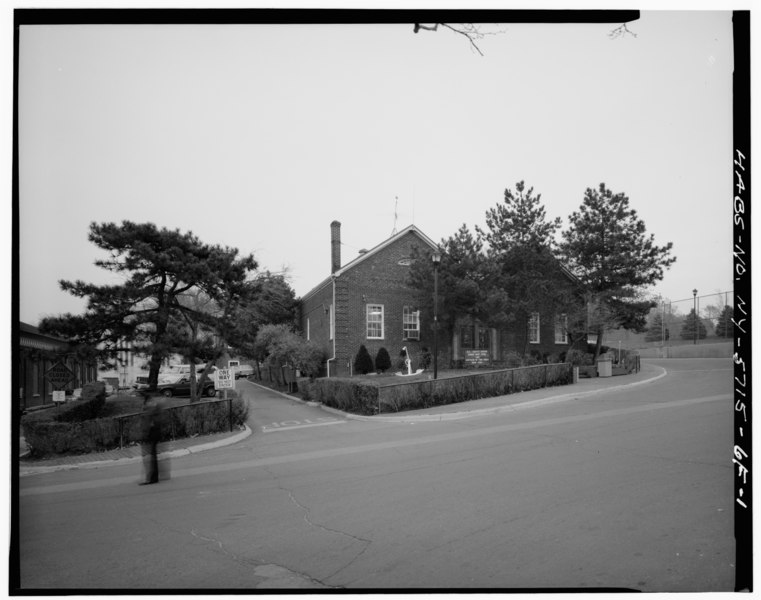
x=396 y=202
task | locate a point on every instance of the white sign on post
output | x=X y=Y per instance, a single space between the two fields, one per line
x=59 y=396
x=224 y=379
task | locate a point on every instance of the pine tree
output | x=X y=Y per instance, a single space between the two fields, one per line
x=520 y=221
x=656 y=332
x=724 y=326
x=363 y=362
x=526 y=276
x=383 y=360
x=608 y=249
x=159 y=265
x=690 y=324
x=462 y=279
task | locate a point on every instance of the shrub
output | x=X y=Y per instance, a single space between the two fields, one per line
x=426 y=358
x=309 y=358
x=363 y=362
x=383 y=360
x=512 y=359
x=424 y=394
x=44 y=434
x=350 y=395
x=89 y=407
x=579 y=358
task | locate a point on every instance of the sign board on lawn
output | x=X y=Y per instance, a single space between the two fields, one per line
x=224 y=379
x=59 y=396
x=476 y=357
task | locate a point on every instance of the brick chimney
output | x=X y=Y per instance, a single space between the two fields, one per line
x=335 y=246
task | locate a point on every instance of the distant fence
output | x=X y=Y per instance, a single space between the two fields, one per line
x=704 y=350
x=708 y=307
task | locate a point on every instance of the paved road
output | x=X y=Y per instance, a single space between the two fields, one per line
x=631 y=489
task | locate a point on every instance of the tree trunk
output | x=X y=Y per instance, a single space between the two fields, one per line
x=598 y=346
x=153 y=372
x=194 y=395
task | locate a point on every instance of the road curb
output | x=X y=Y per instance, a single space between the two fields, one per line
x=115 y=462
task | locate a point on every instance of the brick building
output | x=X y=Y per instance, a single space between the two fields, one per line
x=367 y=302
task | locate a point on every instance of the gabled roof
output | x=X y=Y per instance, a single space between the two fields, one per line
x=365 y=255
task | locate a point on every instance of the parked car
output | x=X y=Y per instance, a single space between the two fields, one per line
x=243 y=371
x=141 y=383
x=181 y=387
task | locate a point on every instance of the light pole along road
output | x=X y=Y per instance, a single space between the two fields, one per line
x=629 y=490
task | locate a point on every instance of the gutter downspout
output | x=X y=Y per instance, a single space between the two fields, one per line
x=333 y=358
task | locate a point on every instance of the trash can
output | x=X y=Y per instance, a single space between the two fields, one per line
x=605 y=368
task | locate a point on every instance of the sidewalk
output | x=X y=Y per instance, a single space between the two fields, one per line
x=585 y=387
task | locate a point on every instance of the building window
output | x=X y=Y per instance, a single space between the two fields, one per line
x=561 y=329
x=411 y=323
x=533 y=329
x=375 y=321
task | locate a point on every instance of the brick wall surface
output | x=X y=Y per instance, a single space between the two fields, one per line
x=379 y=279
x=315 y=317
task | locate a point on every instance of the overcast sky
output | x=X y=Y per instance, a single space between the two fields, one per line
x=258 y=136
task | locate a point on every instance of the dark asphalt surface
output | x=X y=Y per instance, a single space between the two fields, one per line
x=619 y=489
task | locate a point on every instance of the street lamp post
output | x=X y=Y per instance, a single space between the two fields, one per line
x=436 y=258
x=695 y=312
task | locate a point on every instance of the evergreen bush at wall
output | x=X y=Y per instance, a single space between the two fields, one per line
x=383 y=361
x=363 y=362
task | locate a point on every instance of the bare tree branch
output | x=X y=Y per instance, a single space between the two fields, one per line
x=469 y=30
x=620 y=32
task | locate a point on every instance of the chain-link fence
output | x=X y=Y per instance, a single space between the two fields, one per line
x=677 y=320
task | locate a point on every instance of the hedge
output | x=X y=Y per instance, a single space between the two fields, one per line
x=349 y=395
x=367 y=397
x=45 y=433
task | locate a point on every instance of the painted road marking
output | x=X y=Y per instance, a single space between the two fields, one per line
x=286 y=425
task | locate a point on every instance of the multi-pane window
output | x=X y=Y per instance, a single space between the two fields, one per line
x=411 y=323
x=474 y=337
x=375 y=321
x=533 y=328
x=561 y=329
